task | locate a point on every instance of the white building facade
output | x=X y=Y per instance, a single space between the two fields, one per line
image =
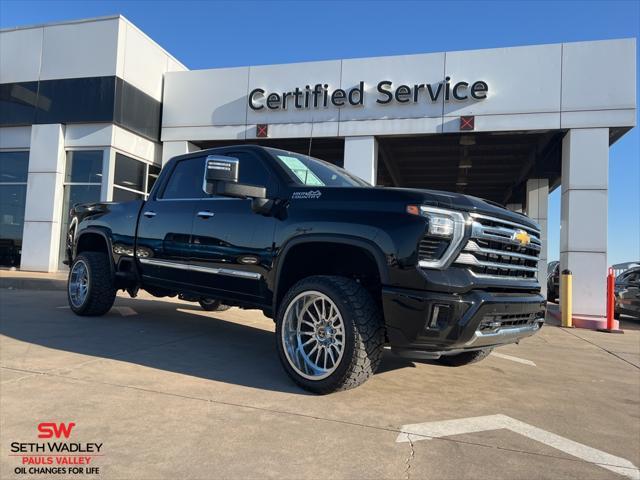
x=92 y=109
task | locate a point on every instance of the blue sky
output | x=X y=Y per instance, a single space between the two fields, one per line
x=219 y=34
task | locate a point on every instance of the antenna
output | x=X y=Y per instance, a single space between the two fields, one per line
x=311 y=137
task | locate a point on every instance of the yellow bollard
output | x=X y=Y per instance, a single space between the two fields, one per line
x=566 y=298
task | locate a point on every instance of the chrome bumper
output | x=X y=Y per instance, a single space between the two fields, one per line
x=504 y=335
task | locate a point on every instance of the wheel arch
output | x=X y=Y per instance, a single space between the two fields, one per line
x=94 y=240
x=283 y=278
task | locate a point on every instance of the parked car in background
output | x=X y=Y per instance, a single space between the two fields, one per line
x=553 y=283
x=627 y=293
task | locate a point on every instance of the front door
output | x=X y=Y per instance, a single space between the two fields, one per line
x=164 y=231
x=231 y=246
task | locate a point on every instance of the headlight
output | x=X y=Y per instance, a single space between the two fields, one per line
x=445 y=224
x=440 y=225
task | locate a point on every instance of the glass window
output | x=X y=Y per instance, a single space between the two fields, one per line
x=129 y=173
x=14 y=167
x=12 y=203
x=310 y=171
x=253 y=171
x=13 y=196
x=186 y=180
x=18 y=103
x=122 y=195
x=74 y=100
x=83 y=183
x=84 y=166
x=152 y=176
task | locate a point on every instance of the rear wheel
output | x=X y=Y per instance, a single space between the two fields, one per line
x=329 y=334
x=465 y=358
x=213 y=305
x=90 y=286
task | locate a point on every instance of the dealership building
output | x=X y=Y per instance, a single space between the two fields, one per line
x=90 y=110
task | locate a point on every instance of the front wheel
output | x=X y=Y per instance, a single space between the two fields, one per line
x=91 y=290
x=465 y=358
x=329 y=334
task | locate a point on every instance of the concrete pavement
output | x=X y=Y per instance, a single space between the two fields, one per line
x=175 y=392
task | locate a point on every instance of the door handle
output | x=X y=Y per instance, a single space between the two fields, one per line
x=205 y=214
x=149 y=214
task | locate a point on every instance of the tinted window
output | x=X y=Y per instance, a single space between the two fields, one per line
x=84 y=166
x=120 y=195
x=253 y=171
x=152 y=176
x=76 y=100
x=129 y=172
x=137 y=111
x=186 y=180
x=18 y=103
x=14 y=166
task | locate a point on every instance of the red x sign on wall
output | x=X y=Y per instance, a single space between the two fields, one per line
x=262 y=130
x=467 y=123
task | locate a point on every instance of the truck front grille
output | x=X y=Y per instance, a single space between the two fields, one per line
x=501 y=321
x=495 y=251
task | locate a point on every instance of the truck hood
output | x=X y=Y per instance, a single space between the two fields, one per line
x=469 y=203
x=435 y=198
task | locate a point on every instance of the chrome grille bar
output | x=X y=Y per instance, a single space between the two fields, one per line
x=494 y=250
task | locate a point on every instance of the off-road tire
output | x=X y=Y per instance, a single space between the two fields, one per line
x=101 y=287
x=465 y=358
x=364 y=333
x=211 y=305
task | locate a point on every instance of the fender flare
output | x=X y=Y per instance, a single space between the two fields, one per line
x=107 y=239
x=367 y=245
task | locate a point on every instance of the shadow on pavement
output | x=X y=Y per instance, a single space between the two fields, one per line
x=173 y=337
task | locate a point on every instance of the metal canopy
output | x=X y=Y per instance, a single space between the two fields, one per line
x=494 y=166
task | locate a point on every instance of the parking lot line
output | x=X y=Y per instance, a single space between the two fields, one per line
x=513 y=359
x=429 y=430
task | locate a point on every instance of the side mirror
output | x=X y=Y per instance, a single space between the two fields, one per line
x=221 y=169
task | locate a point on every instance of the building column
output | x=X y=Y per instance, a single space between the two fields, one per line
x=172 y=149
x=583 y=234
x=43 y=209
x=361 y=157
x=537 y=208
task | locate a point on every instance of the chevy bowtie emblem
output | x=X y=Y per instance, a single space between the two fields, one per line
x=522 y=237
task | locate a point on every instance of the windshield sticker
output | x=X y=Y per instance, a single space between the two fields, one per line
x=310 y=195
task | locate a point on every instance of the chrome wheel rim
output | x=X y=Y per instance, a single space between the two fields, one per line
x=78 y=283
x=313 y=335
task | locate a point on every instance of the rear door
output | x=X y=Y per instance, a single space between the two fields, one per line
x=164 y=231
x=232 y=247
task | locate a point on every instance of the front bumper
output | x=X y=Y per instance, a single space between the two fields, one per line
x=430 y=324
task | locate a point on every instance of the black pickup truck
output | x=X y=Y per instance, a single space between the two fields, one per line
x=342 y=267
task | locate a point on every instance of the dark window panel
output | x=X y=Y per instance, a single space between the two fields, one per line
x=129 y=172
x=137 y=111
x=84 y=166
x=18 y=103
x=74 y=194
x=12 y=204
x=154 y=172
x=120 y=195
x=76 y=100
x=79 y=100
x=14 y=166
x=186 y=180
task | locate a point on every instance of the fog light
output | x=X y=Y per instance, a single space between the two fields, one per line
x=439 y=315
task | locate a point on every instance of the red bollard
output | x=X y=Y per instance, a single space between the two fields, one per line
x=611 y=303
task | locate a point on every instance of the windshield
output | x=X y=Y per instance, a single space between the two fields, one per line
x=311 y=172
